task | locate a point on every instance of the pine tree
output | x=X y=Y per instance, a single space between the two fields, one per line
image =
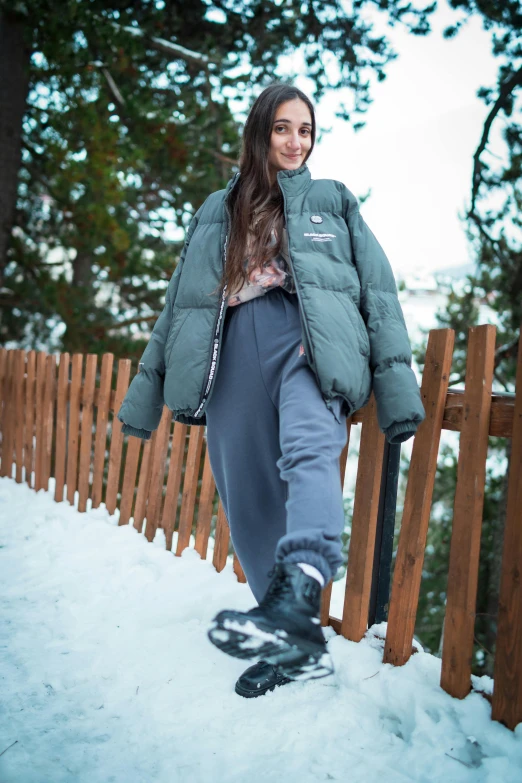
x=493 y=225
x=117 y=122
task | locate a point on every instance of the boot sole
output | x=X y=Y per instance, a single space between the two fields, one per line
x=252 y=694
x=297 y=658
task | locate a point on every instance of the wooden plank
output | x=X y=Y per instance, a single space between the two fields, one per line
x=507 y=692
x=358 y=416
x=113 y=477
x=29 y=416
x=3 y=395
x=48 y=418
x=238 y=569
x=102 y=398
x=157 y=478
x=112 y=395
x=3 y=375
x=459 y=624
x=364 y=523
x=326 y=598
x=417 y=504
x=221 y=540
x=19 y=393
x=132 y=457
x=170 y=504
x=74 y=426
x=335 y=623
x=501 y=418
x=129 y=479
x=41 y=362
x=344 y=453
x=86 y=430
x=61 y=426
x=190 y=485
x=206 y=506
x=143 y=483
x=7 y=416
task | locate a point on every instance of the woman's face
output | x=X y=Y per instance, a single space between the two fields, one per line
x=291 y=137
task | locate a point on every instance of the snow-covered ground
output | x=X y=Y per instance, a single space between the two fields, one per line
x=107 y=675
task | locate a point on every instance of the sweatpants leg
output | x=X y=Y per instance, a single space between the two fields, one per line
x=273 y=444
x=243 y=446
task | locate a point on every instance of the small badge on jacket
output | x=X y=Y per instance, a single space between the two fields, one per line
x=301 y=350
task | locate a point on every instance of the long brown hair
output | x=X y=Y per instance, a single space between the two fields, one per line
x=256 y=205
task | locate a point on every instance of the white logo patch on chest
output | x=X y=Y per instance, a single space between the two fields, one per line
x=316 y=219
x=316 y=237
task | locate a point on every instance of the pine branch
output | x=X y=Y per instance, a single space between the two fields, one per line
x=113 y=87
x=161 y=44
x=515 y=80
x=223 y=158
x=508 y=351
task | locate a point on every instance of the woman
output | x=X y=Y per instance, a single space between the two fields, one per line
x=284 y=289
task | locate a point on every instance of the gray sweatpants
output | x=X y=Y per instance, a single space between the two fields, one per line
x=274 y=446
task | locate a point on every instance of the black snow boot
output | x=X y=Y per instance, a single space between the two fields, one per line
x=284 y=630
x=259 y=679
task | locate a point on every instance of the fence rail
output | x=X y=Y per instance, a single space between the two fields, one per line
x=57 y=419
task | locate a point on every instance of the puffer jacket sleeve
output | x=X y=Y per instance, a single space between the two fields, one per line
x=399 y=404
x=142 y=407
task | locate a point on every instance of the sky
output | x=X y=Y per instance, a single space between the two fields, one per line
x=415 y=152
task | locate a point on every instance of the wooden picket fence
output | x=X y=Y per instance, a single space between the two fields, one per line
x=62 y=424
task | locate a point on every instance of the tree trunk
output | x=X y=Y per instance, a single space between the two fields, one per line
x=14 y=85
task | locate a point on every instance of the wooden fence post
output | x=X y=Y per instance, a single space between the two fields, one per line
x=170 y=504
x=49 y=397
x=74 y=426
x=417 y=504
x=221 y=540
x=190 y=486
x=62 y=395
x=29 y=416
x=3 y=396
x=129 y=479
x=102 y=417
x=507 y=691
x=8 y=433
x=41 y=362
x=158 y=474
x=142 y=494
x=86 y=430
x=113 y=478
x=238 y=569
x=362 y=540
x=206 y=505
x=326 y=597
x=19 y=418
x=459 y=622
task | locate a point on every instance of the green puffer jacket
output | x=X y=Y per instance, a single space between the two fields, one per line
x=354 y=334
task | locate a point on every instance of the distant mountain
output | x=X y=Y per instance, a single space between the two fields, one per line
x=455 y=272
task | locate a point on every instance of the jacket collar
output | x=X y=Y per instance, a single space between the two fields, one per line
x=291 y=181
x=230 y=185
x=294 y=181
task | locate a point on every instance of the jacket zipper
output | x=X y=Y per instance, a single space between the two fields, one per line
x=215 y=345
x=308 y=345
x=216 y=341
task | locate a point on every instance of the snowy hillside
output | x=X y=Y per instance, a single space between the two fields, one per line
x=107 y=675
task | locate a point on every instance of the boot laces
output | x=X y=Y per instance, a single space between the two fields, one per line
x=279 y=588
